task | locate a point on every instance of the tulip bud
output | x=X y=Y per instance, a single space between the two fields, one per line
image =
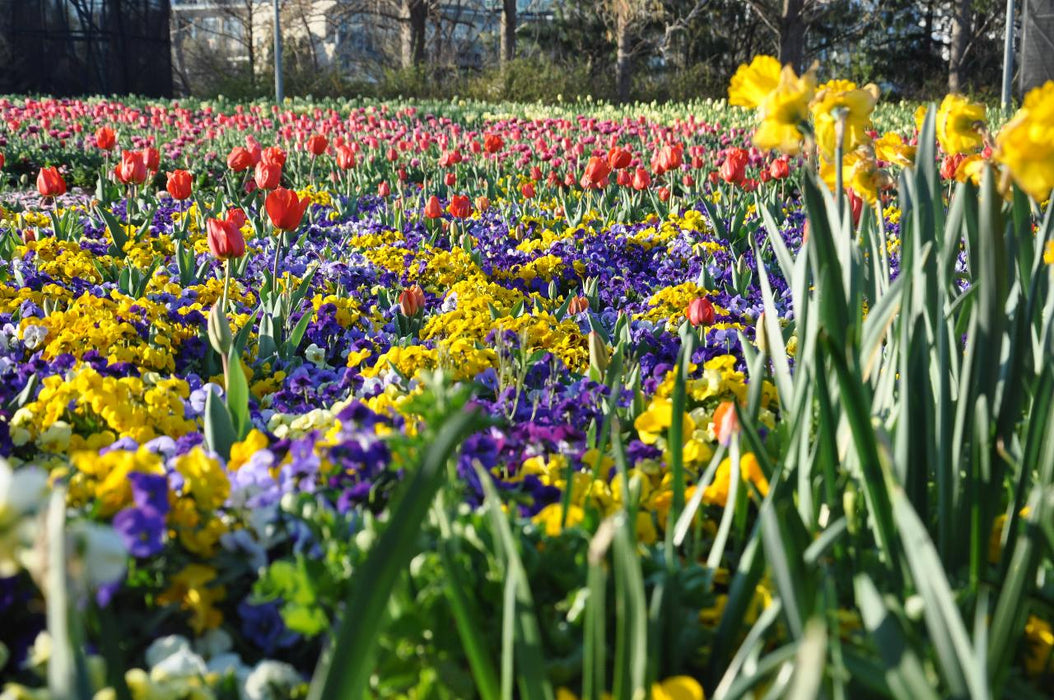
x=411 y=301
x=598 y=353
x=220 y=337
x=700 y=312
x=578 y=305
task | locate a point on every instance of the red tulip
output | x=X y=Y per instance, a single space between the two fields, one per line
x=179 y=184
x=345 y=158
x=132 y=168
x=779 y=169
x=450 y=179
x=664 y=194
x=267 y=175
x=50 y=183
x=619 y=158
x=285 y=209
x=597 y=170
x=641 y=179
x=239 y=159
x=225 y=239
x=237 y=216
x=433 y=210
x=105 y=138
x=460 y=206
x=624 y=178
x=856 y=205
x=687 y=180
x=527 y=190
x=151 y=158
x=273 y=155
x=734 y=169
x=412 y=300
x=700 y=312
x=950 y=165
x=383 y=190
x=317 y=144
x=667 y=158
x=492 y=143
x=2 y=161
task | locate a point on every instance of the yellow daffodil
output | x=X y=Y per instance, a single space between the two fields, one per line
x=752 y=83
x=1026 y=143
x=892 y=149
x=785 y=112
x=959 y=123
x=842 y=99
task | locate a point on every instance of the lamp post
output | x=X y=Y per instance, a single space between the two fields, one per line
x=1008 y=57
x=279 y=90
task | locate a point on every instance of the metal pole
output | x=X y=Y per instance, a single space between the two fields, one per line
x=1008 y=56
x=279 y=91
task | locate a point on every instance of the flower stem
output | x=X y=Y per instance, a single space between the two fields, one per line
x=226 y=283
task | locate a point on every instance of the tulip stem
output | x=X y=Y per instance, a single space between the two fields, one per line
x=277 y=252
x=226 y=282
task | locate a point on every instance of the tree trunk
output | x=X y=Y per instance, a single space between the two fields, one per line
x=412 y=27
x=792 y=34
x=960 y=38
x=508 y=30
x=623 y=60
x=250 y=43
x=1037 y=38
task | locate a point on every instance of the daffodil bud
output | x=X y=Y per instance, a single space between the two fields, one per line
x=219 y=331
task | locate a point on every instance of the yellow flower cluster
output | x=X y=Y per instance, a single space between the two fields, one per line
x=103 y=479
x=95 y=410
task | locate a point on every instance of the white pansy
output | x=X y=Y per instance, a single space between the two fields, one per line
x=271 y=680
x=33 y=336
x=164 y=647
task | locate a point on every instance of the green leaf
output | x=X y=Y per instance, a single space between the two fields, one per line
x=345 y=673
x=219 y=431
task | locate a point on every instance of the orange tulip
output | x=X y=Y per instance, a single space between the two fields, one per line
x=726 y=422
x=412 y=300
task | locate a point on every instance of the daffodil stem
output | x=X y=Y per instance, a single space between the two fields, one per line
x=839 y=147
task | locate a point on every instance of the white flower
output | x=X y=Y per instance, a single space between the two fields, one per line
x=164 y=647
x=56 y=438
x=22 y=494
x=100 y=554
x=449 y=304
x=213 y=643
x=315 y=355
x=33 y=336
x=181 y=664
x=271 y=679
